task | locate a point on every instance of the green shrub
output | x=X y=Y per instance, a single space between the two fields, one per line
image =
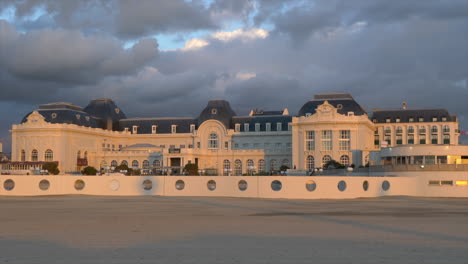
x=89 y=171
x=51 y=167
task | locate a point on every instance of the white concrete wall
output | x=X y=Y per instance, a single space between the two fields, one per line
x=293 y=187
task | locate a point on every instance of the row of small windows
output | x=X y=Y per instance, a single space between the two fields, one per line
x=344 y=140
x=422 y=130
x=136 y=164
x=48 y=155
x=434 y=139
x=257 y=127
x=250 y=166
x=413 y=119
x=310 y=161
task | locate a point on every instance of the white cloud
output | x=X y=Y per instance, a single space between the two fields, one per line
x=245 y=75
x=250 y=34
x=194 y=44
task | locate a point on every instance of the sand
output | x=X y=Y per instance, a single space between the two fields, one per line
x=86 y=229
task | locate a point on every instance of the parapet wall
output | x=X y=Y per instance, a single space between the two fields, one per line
x=435 y=184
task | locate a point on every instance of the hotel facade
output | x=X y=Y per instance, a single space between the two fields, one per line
x=328 y=127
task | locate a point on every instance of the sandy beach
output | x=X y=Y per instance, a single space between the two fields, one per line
x=86 y=229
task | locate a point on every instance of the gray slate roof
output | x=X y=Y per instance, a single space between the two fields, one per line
x=380 y=116
x=262 y=120
x=344 y=102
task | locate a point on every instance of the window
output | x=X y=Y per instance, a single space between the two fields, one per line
x=236 y=145
x=114 y=163
x=310 y=140
x=126 y=129
x=213 y=141
x=388 y=139
x=434 y=129
x=198 y=144
x=421 y=119
x=422 y=140
x=444 y=118
x=422 y=130
x=399 y=139
x=397 y=120
x=345 y=136
x=266 y=146
x=325 y=160
x=124 y=162
x=192 y=128
x=289 y=145
x=344 y=160
x=135 y=163
x=226 y=167
x=388 y=130
x=257 y=127
x=145 y=164
x=411 y=119
x=285 y=162
x=238 y=167
x=310 y=162
x=214 y=111
x=134 y=129
x=261 y=165
x=226 y=145
x=49 y=155
x=246 y=127
x=289 y=127
x=279 y=126
x=410 y=139
x=153 y=129
x=237 y=127
x=446 y=139
x=434 y=119
x=434 y=139
x=278 y=146
x=23 y=155
x=256 y=146
x=376 y=140
x=86 y=154
x=250 y=166
x=446 y=129
x=388 y=120
x=173 y=129
x=410 y=130
x=156 y=163
x=273 y=165
x=268 y=127
x=327 y=140
x=399 y=130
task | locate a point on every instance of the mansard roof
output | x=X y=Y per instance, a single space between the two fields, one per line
x=66 y=113
x=344 y=102
x=262 y=120
x=163 y=124
x=381 y=116
x=217 y=109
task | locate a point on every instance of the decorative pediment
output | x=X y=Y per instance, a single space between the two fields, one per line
x=326 y=110
x=35 y=118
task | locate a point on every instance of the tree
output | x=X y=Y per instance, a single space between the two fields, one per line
x=333 y=164
x=284 y=168
x=191 y=169
x=51 y=167
x=89 y=171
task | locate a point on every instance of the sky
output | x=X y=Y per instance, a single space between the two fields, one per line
x=169 y=57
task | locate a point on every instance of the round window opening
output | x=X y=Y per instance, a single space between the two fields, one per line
x=180 y=185
x=276 y=185
x=385 y=185
x=365 y=185
x=79 y=185
x=311 y=185
x=242 y=185
x=147 y=185
x=342 y=186
x=44 y=185
x=211 y=185
x=9 y=185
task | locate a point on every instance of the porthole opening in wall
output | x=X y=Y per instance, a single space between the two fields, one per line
x=9 y=185
x=180 y=185
x=342 y=186
x=276 y=185
x=242 y=185
x=311 y=185
x=211 y=185
x=79 y=185
x=147 y=185
x=44 y=185
x=365 y=185
x=385 y=185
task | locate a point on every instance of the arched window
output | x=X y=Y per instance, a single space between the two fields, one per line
x=310 y=162
x=410 y=130
x=261 y=165
x=399 y=130
x=78 y=155
x=388 y=130
x=114 y=163
x=34 y=155
x=49 y=155
x=124 y=162
x=285 y=162
x=273 y=165
x=325 y=160
x=250 y=166
x=156 y=163
x=23 y=155
x=86 y=154
x=344 y=160
x=145 y=164
x=434 y=129
x=213 y=141
x=135 y=163
x=226 y=167
x=446 y=129
x=366 y=160
x=238 y=167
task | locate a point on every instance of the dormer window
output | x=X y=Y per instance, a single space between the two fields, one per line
x=444 y=118
x=279 y=126
x=246 y=127
x=237 y=128
x=268 y=126
x=214 y=111
x=173 y=129
x=421 y=119
x=135 y=129
x=339 y=106
x=388 y=120
x=289 y=127
x=350 y=113
x=434 y=119
x=192 y=128
x=257 y=127
x=411 y=119
x=374 y=120
x=126 y=129
x=54 y=115
x=308 y=114
x=153 y=129
x=397 y=120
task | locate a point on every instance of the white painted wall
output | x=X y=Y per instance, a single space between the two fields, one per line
x=293 y=187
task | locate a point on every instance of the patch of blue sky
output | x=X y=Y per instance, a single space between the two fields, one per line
x=8 y=14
